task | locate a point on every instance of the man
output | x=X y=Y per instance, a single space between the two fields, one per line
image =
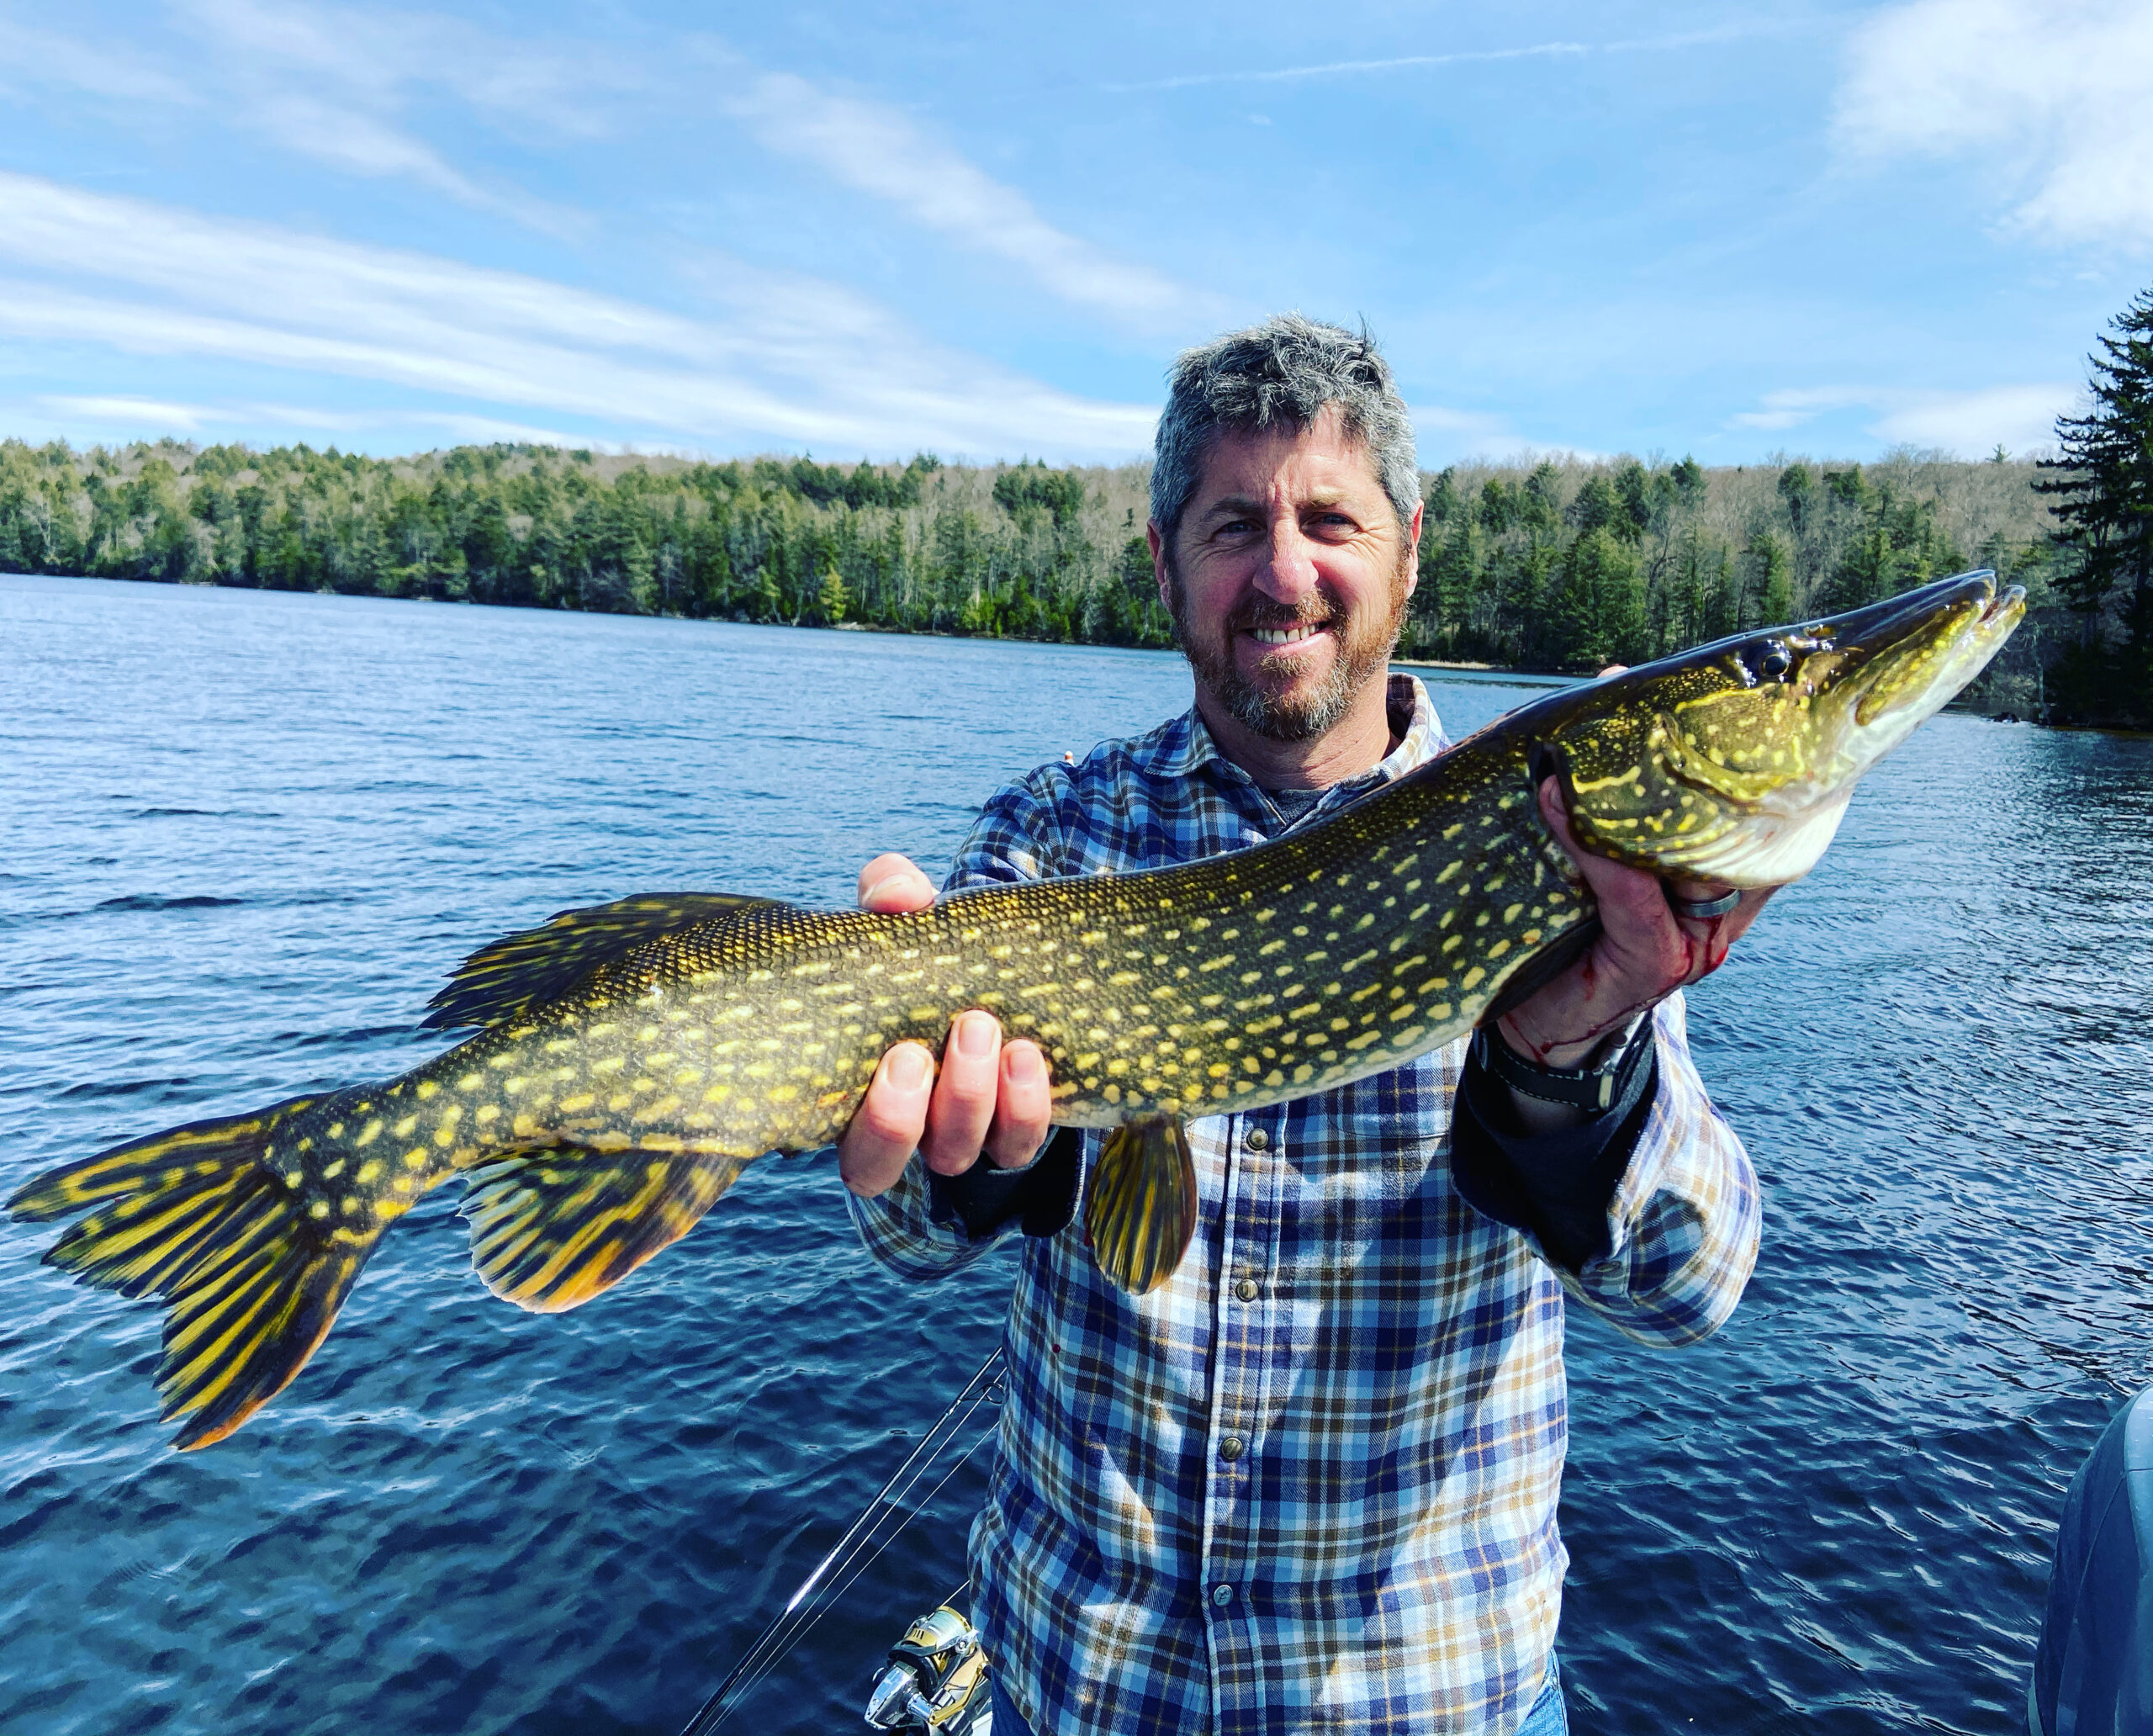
x=1311 y=1482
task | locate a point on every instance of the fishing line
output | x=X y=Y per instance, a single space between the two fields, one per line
x=863 y=1562
x=828 y=1599
x=854 y=1551
x=859 y=1548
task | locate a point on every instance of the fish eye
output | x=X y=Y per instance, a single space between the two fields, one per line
x=1770 y=662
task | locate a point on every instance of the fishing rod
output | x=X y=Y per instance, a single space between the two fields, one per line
x=866 y=1538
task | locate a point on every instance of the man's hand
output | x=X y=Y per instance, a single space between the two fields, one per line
x=1643 y=954
x=991 y=1096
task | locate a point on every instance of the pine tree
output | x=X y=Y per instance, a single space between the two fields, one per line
x=638 y=575
x=2101 y=485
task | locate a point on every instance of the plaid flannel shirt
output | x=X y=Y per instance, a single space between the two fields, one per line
x=1310 y=1484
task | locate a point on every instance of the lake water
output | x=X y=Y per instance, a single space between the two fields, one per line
x=248 y=834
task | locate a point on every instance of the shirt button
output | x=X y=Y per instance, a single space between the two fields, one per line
x=1255 y=1140
x=1232 y=1447
x=1246 y=1289
x=1222 y=1596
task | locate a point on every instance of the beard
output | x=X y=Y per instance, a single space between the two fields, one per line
x=1259 y=703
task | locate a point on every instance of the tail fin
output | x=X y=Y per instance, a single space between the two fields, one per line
x=196 y=1216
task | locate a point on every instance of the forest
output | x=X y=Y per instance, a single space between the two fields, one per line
x=1556 y=563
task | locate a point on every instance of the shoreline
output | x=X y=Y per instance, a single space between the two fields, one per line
x=1458 y=665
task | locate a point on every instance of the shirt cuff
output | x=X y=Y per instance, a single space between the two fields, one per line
x=1556 y=1185
x=1040 y=1198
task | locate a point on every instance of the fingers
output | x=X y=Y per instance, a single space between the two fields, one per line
x=892 y=882
x=1021 y=1107
x=1643 y=954
x=1635 y=908
x=1708 y=938
x=886 y=1127
x=990 y=1098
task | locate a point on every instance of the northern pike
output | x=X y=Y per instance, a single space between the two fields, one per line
x=632 y=1057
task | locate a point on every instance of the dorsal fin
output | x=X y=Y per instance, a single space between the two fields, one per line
x=508 y=976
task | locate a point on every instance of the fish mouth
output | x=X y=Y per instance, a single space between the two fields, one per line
x=1889 y=668
x=1913 y=654
x=1758 y=740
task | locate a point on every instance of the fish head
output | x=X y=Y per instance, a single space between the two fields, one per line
x=1733 y=762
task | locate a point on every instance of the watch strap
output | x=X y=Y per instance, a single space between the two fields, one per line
x=1595 y=1087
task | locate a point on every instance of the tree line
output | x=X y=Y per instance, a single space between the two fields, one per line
x=1554 y=564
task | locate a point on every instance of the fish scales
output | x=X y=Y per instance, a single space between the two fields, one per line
x=1225 y=984
x=1231 y=983
x=634 y=1057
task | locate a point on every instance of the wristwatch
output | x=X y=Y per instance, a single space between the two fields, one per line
x=1594 y=1088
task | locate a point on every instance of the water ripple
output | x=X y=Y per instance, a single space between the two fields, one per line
x=1833 y=1517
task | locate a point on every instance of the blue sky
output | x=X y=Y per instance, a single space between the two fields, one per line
x=865 y=230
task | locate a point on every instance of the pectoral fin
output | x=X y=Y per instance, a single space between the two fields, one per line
x=1139 y=1206
x=550 y=1229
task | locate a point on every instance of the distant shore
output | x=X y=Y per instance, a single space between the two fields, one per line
x=1546 y=566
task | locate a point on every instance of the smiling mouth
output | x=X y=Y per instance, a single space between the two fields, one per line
x=1298 y=633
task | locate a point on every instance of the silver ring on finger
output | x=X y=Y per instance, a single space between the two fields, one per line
x=1703 y=909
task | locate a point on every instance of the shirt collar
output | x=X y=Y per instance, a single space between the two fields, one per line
x=1186 y=743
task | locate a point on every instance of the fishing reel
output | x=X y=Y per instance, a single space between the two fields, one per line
x=935 y=1679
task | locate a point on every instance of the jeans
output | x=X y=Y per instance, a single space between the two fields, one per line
x=1547 y=1717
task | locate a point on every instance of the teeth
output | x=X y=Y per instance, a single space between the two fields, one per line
x=1282 y=635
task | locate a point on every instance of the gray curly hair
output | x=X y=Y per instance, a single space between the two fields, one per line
x=1280 y=374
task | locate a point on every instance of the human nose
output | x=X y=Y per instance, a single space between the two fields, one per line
x=1288 y=572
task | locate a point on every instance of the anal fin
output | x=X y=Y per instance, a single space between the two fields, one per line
x=1140 y=1205
x=552 y=1229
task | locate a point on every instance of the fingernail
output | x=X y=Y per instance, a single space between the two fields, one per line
x=875 y=891
x=1021 y=1064
x=906 y=1067
x=975 y=1035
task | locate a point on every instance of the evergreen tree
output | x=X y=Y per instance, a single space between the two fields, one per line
x=1774 y=586
x=832 y=598
x=2101 y=484
x=638 y=575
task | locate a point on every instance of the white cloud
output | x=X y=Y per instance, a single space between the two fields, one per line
x=333 y=83
x=2018 y=418
x=789 y=361
x=153 y=414
x=879 y=150
x=340 y=85
x=1466 y=57
x=2055 y=98
x=1328 y=69
x=30 y=58
x=1444 y=436
x=336 y=84
x=129 y=418
x=1791 y=408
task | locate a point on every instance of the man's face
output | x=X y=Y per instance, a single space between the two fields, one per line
x=1290 y=578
